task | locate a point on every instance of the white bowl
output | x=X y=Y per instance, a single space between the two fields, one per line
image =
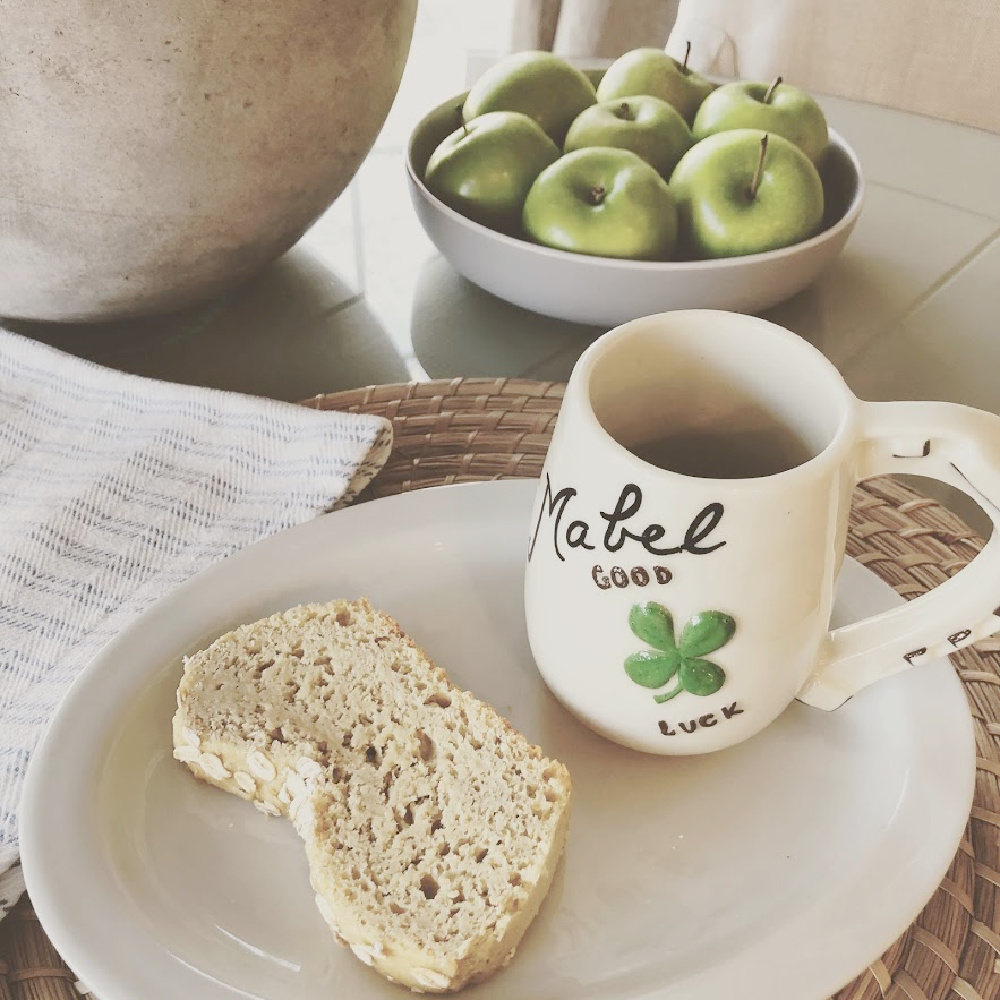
x=607 y=291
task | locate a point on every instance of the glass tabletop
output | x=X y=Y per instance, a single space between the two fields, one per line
x=909 y=310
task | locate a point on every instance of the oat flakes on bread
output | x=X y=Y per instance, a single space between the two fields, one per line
x=432 y=827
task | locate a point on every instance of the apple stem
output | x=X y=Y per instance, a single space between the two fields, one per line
x=687 y=55
x=597 y=194
x=755 y=183
x=624 y=112
x=770 y=90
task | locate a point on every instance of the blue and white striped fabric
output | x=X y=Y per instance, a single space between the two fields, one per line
x=113 y=490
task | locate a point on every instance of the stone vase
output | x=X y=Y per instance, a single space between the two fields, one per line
x=155 y=152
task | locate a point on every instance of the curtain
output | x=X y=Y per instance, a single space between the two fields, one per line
x=597 y=28
x=932 y=57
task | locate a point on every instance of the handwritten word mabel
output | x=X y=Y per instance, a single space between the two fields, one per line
x=619 y=577
x=623 y=526
x=702 y=722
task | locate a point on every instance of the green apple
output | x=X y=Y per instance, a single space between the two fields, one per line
x=778 y=108
x=484 y=169
x=605 y=202
x=538 y=84
x=745 y=191
x=649 y=127
x=654 y=73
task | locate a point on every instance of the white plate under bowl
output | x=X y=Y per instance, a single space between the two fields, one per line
x=773 y=871
x=606 y=291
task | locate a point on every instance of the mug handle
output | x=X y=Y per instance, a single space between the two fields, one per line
x=960 y=446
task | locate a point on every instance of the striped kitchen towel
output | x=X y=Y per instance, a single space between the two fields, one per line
x=113 y=490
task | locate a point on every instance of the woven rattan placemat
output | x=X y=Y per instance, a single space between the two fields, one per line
x=465 y=430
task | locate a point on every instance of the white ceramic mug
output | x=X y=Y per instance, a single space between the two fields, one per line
x=677 y=609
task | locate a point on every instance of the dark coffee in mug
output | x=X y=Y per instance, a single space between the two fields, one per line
x=723 y=453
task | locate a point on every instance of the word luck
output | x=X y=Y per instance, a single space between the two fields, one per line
x=622 y=526
x=702 y=722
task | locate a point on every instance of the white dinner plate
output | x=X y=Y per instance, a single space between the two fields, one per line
x=778 y=869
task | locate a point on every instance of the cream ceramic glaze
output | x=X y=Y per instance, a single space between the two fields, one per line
x=616 y=542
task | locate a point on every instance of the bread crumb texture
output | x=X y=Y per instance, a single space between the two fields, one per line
x=432 y=827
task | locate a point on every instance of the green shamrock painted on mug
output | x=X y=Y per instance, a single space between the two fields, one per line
x=702 y=634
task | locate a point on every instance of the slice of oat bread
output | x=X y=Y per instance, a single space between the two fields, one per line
x=432 y=827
